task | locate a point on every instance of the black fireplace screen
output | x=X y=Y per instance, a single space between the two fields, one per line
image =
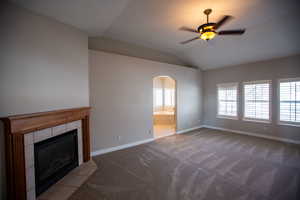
x=54 y=158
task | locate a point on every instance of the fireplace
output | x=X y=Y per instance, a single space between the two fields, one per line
x=29 y=141
x=54 y=158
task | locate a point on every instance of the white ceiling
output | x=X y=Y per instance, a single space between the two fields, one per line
x=273 y=27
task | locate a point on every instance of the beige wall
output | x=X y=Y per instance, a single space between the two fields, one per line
x=121 y=89
x=43 y=66
x=267 y=70
x=124 y=48
x=2 y=165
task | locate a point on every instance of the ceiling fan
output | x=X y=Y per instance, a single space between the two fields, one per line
x=209 y=30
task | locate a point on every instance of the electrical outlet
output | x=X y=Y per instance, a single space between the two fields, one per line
x=119 y=137
x=150 y=132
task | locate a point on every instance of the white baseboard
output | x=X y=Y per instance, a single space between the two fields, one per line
x=189 y=129
x=124 y=146
x=107 y=150
x=253 y=134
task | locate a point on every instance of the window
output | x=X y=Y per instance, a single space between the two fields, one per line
x=257 y=101
x=169 y=97
x=227 y=100
x=289 y=92
x=158 y=97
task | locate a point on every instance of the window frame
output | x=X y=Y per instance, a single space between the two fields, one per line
x=237 y=101
x=249 y=119
x=279 y=122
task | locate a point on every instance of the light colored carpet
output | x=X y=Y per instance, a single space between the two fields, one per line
x=201 y=165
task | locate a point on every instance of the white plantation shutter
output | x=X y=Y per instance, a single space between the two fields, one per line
x=257 y=100
x=290 y=100
x=227 y=99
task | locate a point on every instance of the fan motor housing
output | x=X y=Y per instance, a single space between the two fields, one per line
x=209 y=27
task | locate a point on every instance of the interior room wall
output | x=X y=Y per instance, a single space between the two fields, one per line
x=44 y=66
x=268 y=70
x=127 y=49
x=121 y=90
x=2 y=165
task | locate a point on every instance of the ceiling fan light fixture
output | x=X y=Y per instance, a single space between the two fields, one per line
x=208 y=30
x=208 y=35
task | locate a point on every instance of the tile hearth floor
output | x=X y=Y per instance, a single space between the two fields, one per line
x=63 y=189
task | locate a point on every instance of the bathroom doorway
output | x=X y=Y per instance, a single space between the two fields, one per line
x=164 y=106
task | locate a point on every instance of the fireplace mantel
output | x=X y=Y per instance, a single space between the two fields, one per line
x=15 y=128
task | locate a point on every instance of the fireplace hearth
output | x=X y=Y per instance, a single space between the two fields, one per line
x=54 y=158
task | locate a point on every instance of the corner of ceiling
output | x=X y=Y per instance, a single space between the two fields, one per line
x=128 y=49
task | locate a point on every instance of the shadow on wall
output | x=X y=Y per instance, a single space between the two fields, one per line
x=2 y=164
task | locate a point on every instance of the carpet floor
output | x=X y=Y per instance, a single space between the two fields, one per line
x=201 y=165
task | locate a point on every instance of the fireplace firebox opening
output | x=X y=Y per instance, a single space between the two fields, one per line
x=54 y=158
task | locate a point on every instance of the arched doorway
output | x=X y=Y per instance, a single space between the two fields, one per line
x=164 y=106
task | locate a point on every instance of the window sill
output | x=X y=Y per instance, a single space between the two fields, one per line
x=226 y=117
x=257 y=121
x=288 y=124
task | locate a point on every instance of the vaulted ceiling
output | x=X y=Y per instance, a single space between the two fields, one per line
x=273 y=26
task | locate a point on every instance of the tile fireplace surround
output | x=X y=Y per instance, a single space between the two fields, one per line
x=22 y=131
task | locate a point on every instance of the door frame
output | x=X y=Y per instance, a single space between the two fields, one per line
x=175 y=107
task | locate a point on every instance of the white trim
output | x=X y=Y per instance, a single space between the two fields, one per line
x=189 y=129
x=253 y=134
x=124 y=146
x=227 y=117
x=283 y=123
x=257 y=82
x=282 y=80
x=257 y=120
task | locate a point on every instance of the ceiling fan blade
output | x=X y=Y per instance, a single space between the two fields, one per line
x=188 y=29
x=232 y=32
x=190 y=40
x=224 y=20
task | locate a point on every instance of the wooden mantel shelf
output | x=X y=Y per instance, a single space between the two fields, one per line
x=22 y=124
x=15 y=127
